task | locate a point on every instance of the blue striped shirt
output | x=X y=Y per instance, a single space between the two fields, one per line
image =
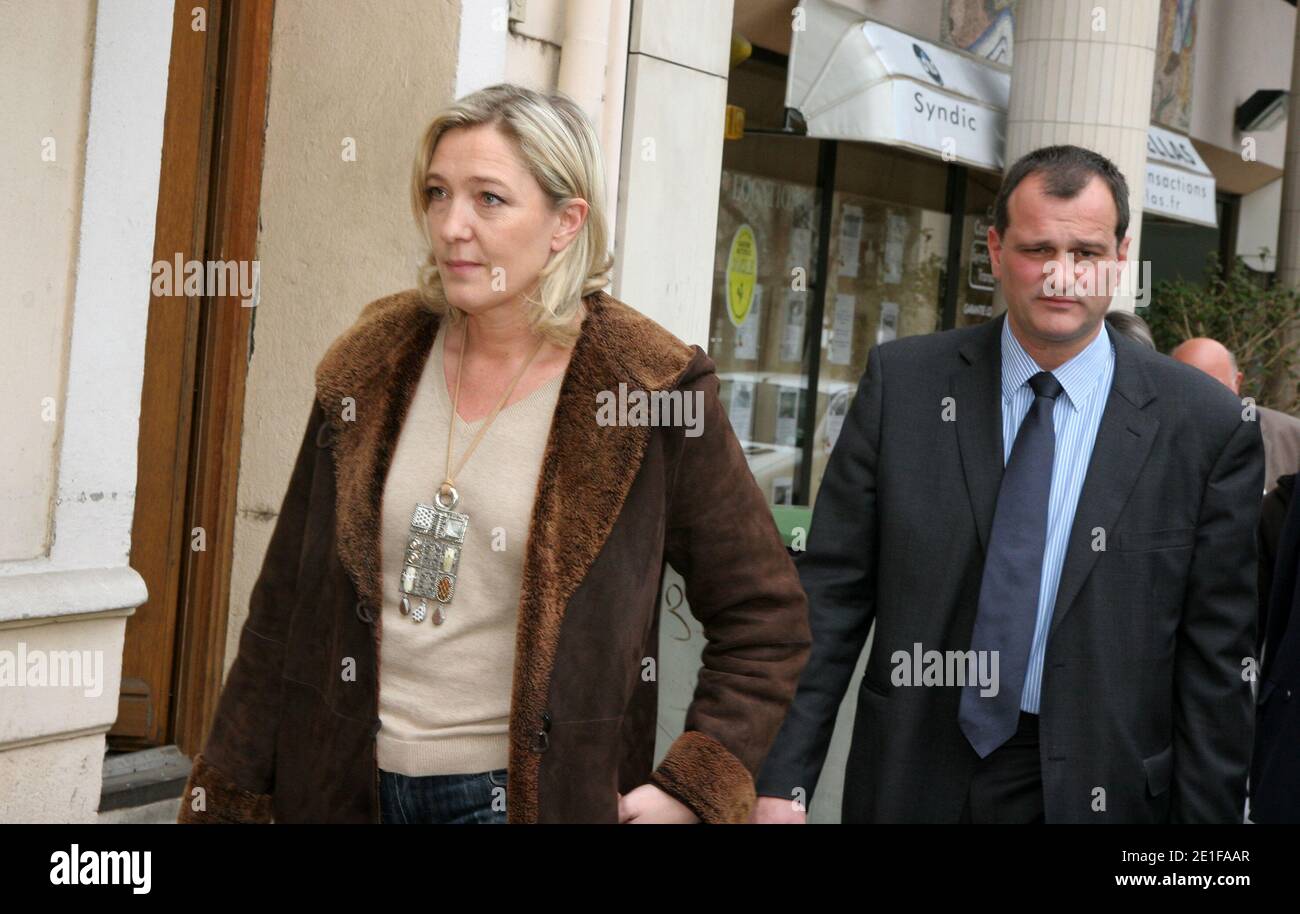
x=1086 y=381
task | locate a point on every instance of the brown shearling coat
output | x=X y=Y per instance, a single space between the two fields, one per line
x=294 y=741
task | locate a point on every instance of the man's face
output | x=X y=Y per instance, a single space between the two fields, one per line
x=1050 y=300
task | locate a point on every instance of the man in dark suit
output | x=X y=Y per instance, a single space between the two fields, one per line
x=1275 y=765
x=1052 y=529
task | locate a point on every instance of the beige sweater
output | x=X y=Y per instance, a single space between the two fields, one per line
x=444 y=690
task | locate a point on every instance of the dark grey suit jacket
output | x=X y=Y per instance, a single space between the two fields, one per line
x=1145 y=715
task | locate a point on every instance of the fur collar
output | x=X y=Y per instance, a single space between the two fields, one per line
x=365 y=383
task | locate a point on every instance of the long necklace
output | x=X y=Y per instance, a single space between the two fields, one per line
x=438 y=530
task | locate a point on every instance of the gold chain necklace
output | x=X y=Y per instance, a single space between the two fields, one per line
x=438 y=531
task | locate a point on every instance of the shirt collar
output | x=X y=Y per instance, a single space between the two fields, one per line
x=1078 y=377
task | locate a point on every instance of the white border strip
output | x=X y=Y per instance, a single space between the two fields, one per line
x=484 y=36
x=97 y=454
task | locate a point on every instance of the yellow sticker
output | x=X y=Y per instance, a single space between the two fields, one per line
x=742 y=273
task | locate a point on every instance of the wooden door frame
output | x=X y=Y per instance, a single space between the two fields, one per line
x=224 y=351
x=197 y=351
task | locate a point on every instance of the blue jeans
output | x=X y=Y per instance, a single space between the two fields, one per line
x=443 y=799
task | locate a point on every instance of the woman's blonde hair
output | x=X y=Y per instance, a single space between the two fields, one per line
x=560 y=149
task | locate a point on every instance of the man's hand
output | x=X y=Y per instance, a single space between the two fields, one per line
x=778 y=811
x=648 y=805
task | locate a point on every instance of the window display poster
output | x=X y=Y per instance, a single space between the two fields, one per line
x=850 y=240
x=895 y=238
x=842 y=329
x=888 y=322
x=742 y=273
x=800 y=249
x=792 y=332
x=747 y=333
x=836 y=410
x=981 y=264
x=787 y=416
x=741 y=409
x=783 y=490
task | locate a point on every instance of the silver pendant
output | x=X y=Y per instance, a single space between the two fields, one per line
x=433 y=557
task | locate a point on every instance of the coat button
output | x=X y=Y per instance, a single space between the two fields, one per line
x=364 y=613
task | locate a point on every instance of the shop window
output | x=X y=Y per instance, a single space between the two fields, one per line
x=886 y=266
x=789 y=349
x=974 y=299
x=767 y=238
x=887 y=262
x=1177 y=250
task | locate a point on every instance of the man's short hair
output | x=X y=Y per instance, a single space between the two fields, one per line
x=1128 y=324
x=1066 y=170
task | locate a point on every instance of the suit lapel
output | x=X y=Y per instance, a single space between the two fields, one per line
x=977 y=395
x=1123 y=442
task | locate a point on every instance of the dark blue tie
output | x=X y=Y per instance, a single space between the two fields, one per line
x=1013 y=571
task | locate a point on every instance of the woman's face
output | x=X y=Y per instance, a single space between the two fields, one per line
x=492 y=226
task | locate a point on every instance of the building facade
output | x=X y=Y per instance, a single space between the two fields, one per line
x=790 y=183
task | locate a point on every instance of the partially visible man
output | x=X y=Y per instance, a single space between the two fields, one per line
x=1281 y=432
x=1058 y=502
x=1275 y=765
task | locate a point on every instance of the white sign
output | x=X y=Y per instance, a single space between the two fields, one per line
x=945 y=124
x=1179 y=183
x=860 y=80
x=1171 y=148
x=1180 y=194
x=932 y=64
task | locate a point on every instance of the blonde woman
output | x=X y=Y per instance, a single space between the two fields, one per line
x=457 y=617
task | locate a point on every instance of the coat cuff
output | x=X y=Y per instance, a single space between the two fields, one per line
x=225 y=802
x=702 y=773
